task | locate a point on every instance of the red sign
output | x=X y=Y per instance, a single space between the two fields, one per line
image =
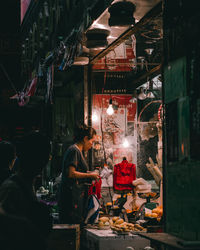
x=120 y=102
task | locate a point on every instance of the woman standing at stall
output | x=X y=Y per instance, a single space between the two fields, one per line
x=73 y=190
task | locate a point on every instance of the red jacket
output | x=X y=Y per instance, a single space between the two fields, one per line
x=124 y=174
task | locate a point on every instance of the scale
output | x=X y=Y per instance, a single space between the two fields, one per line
x=118 y=209
x=149 y=197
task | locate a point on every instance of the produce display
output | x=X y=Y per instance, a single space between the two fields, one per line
x=104 y=223
x=117 y=224
x=156 y=213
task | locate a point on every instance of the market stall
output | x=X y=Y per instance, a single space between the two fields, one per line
x=122 y=102
x=126 y=111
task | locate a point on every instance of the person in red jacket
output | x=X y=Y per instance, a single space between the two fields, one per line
x=124 y=174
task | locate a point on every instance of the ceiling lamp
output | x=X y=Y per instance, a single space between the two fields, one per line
x=110 y=109
x=97 y=38
x=134 y=97
x=149 y=51
x=126 y=142
x=142 y=95
x=121 y=14
x=150 y=93
x=133 y=100
x=141 y=62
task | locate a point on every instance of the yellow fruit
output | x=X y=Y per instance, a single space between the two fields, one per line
x=115 y=218
x=119 y=221
x=109 y=204
x=101 y=224
x=154 y=215
x=104 y=219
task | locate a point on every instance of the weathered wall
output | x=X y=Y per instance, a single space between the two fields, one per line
x=182 y=128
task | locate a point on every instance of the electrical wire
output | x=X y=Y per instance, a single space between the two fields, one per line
x=125 y=121
x=101 y=126
x=102 y=140
x=155 y=101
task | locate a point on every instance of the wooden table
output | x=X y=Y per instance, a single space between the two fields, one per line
x=159 y=240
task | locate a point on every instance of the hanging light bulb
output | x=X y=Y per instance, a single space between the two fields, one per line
x=134 y=97
x=125 y=143
x=149 y=51
x=110 y=109
x=133 y=100
x=95 y=117
x=150 y=94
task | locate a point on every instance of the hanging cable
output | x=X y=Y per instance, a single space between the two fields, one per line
x=155 y=101
x=125 y=143
x=101 y=125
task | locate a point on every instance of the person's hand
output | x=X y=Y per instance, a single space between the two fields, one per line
x=94 y=175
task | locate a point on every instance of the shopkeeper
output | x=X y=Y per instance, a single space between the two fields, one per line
x=73 y=191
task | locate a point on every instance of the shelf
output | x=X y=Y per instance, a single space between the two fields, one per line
x=153 y=13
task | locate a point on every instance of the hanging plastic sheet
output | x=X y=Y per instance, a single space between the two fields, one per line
x=92 y=210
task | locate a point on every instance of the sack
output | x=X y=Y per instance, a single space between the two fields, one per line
x=143 y=188
x=139 y=181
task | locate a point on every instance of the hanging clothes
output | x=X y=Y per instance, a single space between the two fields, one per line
x=93 y=208
x=124 y=174
x=95 y=188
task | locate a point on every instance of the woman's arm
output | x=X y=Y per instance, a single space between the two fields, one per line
x=76 y=174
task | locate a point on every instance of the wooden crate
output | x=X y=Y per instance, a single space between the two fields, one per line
x=64 y=237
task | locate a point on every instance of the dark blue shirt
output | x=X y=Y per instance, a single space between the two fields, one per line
x=73 y=157
x=72 y=194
